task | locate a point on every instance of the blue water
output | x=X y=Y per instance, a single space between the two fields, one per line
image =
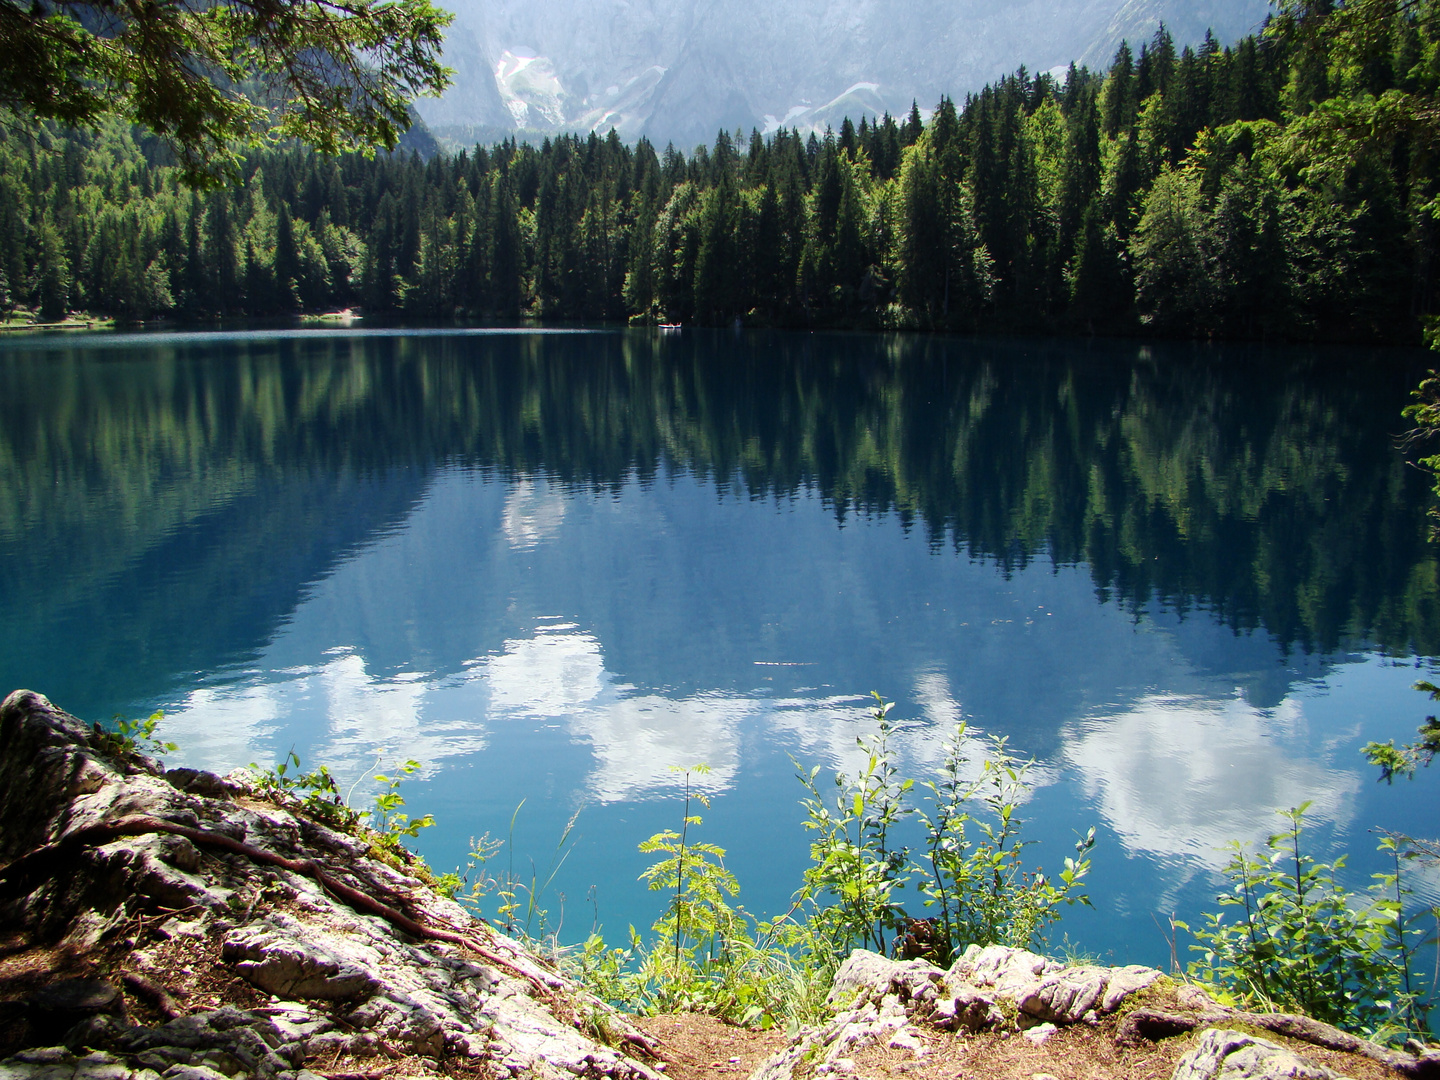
x=563 y=569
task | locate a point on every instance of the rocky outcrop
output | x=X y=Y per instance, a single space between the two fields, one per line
x=230 y=936
x=899 y=1003
x=912 y=1006
x=1233 y=1055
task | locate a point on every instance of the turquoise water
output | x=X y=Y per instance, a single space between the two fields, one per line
x=561 y=568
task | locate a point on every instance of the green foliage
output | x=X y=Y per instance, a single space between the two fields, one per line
x=134 y=737
x=1300 y=941
x=316 y=794
x=512 y=898
x=706 y=954
x=709 y=954
x=338 y=76
x=1405 y=760
x=970 y=873
x=853 y=861
x=387 y=822
x=698 y=913
x=976 y=879
x=1284 y=185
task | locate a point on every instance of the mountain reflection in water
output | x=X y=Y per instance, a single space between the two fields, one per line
x=563 y=568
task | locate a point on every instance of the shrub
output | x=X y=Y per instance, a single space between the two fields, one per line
x=710 y=955
x=317 y=795
x=1302 y=942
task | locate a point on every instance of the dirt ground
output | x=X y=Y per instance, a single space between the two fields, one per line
x=692 y=1046
x=702 y=1048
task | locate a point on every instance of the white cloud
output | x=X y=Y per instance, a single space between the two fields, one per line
x=551 y=675
x=221 y=728
x=533 y=514
x=831 y=729
x=372 y=720
x=642 y=742
x=1181 y=776
x=361 y=719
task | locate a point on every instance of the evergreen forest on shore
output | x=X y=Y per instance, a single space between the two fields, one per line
x=1281 y=187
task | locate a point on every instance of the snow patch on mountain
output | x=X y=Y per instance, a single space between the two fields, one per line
x=680 y=70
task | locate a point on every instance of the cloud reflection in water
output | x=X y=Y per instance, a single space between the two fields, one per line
x=533 y=514
x=1181 y=776
x=829 y=729
x=1176 y=776
x=641 y=741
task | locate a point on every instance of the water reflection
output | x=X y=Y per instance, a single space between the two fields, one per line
x=356 y=721
x=835 y=732
x=642 y=742
x=563 y=569
x=1155 y=771
x=533 y=514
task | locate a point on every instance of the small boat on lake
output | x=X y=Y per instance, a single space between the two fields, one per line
x=347 y=317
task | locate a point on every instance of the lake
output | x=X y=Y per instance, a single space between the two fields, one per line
x=563 y=567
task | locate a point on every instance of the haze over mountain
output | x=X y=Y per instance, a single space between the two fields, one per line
x=679 y=70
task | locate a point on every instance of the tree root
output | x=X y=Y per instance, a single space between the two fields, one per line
x=1155 y=1024
x=154 y=993
x=25 y=868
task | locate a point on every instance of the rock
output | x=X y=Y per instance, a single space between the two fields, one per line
x=76 y=996
x=1123 y=982
x=1192 y=997
x=281 y=961
x=1066 y=996
x=199 y=782
x=55 y=1009
x=1039 y=1033
x=906 y=1038
x=1045 y=989
x=57 y=1063
x=89 y=842
x=996 y=987
x=192 y=1072
x=1002 y=968
x=966 y=1009
x=180 y=853
x=1232 y=1055
x=874 y=974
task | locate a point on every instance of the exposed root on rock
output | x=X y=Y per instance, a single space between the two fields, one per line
x=27 y=866
x=1154 y=1024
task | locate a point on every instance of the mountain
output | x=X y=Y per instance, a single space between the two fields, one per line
x=679 y=70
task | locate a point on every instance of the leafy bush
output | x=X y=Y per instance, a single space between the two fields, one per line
x=134 y=737
x=710 y=955
x=706 y=954
x=317 y=795
x=853 y=861
x=975 y=875
x=970 y=872
x=1302 y=942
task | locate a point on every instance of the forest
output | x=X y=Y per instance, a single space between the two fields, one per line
x=1281 y=187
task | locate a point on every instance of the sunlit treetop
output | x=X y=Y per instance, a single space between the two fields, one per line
x=212 y=76
x=1366 y=73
